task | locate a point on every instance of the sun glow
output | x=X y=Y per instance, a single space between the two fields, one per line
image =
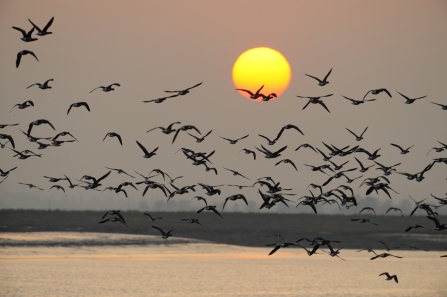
x=261 y=66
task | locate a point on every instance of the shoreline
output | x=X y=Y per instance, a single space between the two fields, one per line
x=240 y=229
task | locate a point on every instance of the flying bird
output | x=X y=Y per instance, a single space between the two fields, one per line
x=43 y=86
x=234 y=198
x=10 y=139
x=402 y=151
x=234 y=141
x=357 y=102
x=26 y=36
x=253 y=95
x=165 y=235
x=411 y=100
x=358 y=138
x=23 y=53
x=44 y=31
x=185 y=128
x=23 y=105
x=79 y=104
x=113 y=134
x=185 y=91
x=390 y=277
x=108 y=88
x=443 y=106
x=31 y=186
x=152 y=218
x=160 y=100
x=287 y=161
x=321 y=82
x=167 y=130
x=288 y=126
x=247 y=151
x=236 y=173
x=200 y=139
x=147 y=155
x=37 y=123
x=316 y=100
x=378 y=91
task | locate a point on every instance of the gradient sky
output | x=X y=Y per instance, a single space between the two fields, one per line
x=152 y=46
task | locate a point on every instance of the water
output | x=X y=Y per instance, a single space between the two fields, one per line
x=193 y=268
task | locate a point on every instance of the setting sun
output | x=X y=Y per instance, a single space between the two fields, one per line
x=261 y=66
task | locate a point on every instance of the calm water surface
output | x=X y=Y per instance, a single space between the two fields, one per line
x=205 y=269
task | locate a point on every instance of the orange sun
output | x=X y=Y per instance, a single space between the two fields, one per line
x=261 y=66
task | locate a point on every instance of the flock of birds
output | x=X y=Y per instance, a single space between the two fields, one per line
x=341 y=196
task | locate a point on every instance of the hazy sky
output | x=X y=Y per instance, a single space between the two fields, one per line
x=152 y=46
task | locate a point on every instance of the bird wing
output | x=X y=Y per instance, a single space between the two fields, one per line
x=175 y=135
x=257 y=92
x=19 y=57
x=243 y=137
x=366 y=95
x=68 y=111
x=274 y=250
x=194 y=86
x=34 y=25
x=327 y=75
x=48 y=24
x=403 y=96
x=21 y=30
x=32 y=85
x=399 y=147
x=324 y=105
x=170 y=126
x=348 y=98
x=249 y=92
x=159 y=229
x=306 y=105
x=142 y=147
x=96 y=88
x=314 y=77
x=84 y=104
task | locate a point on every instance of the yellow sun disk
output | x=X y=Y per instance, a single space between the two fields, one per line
x=261 y=66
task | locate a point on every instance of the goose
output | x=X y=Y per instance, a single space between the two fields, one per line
x=152 y=218
x=288 y=126
x=321 y=82
x=363 y=221
x=247 y=151
x=114 y=212
x=357 y=102
x=394 y=209
x=367 y=208
x=185 y=128
x=185 y=91
x=113 y=134
x=38 y=123
x=65 y=133
x=253 y=95
x=410 y=100
x=22 y=156
x=78 y=104
x=160 y=100
x=5 y=173
x=7 y=125
x=147 y=154
x=167 y=130
x=234 y=141
x=360 y=137
x=23 y=53
x=120 y=171
x=26 y=36
x=287 y=161
x=165 y=235
x=306 y=145
x=44 y=31
x=114 y=220
x=107 y=88
x=443 y=106
x=402 y=151
x=23 y=105
x=43 y=86
x=277 y=246
x=378 y=91
x=10 y=139
x=271 y=155
x=390 y=277
x=192 y=221
x=384 y=255
x=316 y=100
x=211 y=208
x=234 y=198
x=58 y=188
x=235 y=173
x=31 y=186
x=200 y=139
x=363 y=169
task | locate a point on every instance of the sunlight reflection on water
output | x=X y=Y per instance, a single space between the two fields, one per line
x=205 y=269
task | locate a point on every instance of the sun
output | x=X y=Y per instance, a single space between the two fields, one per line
x=261 y=66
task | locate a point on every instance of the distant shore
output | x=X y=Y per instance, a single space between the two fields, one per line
x=243 y=229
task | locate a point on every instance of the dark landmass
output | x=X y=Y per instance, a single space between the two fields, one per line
x=244 y=229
